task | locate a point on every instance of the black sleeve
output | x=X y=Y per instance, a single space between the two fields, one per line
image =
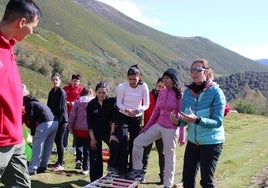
x=30 y=114
x=63 y=107
x=89 y=114
x=114 y=109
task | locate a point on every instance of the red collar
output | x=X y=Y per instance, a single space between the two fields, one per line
x=7 y=43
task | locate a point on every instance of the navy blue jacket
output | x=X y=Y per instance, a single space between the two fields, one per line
x=36 y=112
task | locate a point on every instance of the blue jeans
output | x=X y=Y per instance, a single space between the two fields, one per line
x=204 y=157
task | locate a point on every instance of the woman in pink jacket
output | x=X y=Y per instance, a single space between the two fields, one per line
x=160 y=126
x=77 y=125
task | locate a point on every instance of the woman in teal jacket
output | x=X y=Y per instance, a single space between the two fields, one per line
x=203 y=108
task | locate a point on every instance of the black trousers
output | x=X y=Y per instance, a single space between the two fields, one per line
x=128 y=129
x=83 y=156
x=204 y=157
x=59 y=141
x=96 y=162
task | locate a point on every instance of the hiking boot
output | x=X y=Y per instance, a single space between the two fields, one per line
x=136 y=175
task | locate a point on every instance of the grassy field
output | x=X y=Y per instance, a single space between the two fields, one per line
x=244 y=157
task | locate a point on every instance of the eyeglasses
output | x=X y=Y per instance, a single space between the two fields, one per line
x=197 y=69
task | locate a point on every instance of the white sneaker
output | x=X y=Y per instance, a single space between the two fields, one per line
x=73 y=150
x=78 y=164
x=58 y=168
x=54 y=151
x=178 y=185
x=85 y=172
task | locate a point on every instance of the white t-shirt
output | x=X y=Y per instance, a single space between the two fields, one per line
x=132 y=98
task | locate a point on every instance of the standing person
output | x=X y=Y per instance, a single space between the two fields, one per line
x=101 y=119
x=43 y=125
x=79 y=149
x=73 y=90
x=158 y=143
x=160 y=126
x=19 y=20
x=132 y=100
x=203 y=109
x=57 y=103
x=78 y=126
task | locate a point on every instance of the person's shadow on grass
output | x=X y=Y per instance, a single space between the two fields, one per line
x=42 y=183
x=70 y=184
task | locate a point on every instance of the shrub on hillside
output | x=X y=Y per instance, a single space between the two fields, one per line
x=245 y=107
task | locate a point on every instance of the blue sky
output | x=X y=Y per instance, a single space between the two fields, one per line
x=239 y=25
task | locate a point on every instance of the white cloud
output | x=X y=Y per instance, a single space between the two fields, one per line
x=133 y=11
x=259 y=51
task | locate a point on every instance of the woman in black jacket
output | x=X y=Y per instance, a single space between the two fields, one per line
x=101 y=119
x=57 y=103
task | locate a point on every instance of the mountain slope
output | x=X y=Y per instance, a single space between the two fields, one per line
x=186 y=48
x=99 y=42
x=104 y=35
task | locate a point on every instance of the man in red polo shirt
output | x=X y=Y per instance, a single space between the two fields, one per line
x=73 y=90
x=19 y=20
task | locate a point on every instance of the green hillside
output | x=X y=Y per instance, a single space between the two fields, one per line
x=149 y=44
x=100 y=43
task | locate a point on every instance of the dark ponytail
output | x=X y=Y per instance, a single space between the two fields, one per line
x=134 y=70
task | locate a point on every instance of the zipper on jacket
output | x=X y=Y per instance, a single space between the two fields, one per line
x=195 y=126
x=196 y=95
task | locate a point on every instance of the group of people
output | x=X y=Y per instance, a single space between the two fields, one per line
x=117 y=121
x=201 y=107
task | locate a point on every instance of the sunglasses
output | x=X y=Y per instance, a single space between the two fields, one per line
x=197 y=69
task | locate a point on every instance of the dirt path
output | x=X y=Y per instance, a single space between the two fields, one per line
x=261 y=179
